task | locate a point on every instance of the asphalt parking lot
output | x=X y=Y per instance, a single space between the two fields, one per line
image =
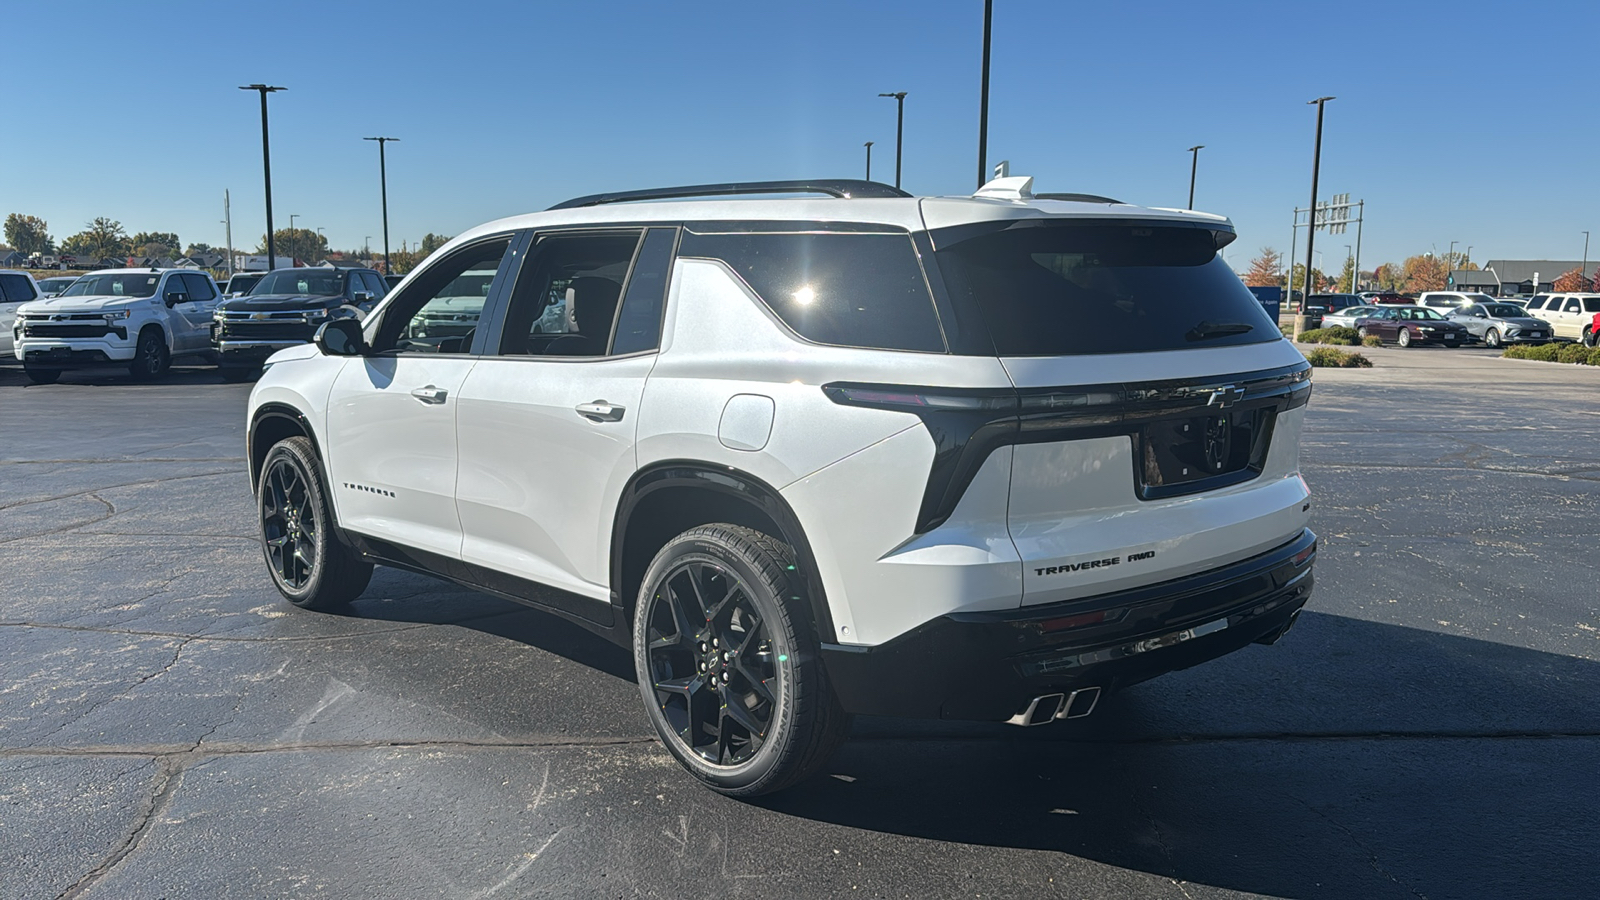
x=169 y=727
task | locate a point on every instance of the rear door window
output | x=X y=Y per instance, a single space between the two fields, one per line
x=15 y=289
x=845 y=288
x=1071 y=289
x=1591 y=304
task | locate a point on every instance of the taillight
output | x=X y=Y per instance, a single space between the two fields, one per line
x=1082 y=620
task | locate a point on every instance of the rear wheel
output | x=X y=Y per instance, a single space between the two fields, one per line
x=1403 y=338
x=150 y=356
x=38 y=375
x=1361 y=333
x=728 y=662
x=308 y=564
x=1589 y=337
x=1492 y=337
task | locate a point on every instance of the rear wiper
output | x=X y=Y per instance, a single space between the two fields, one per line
x=1207 y=330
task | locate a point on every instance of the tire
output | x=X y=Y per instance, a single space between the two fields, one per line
x=42 y=376
x=309 y=566
x=1589 y=338
x=1361 y=333
x=1403 y=338
x=1491 y=338
x=150 y=356
x=791 y=721
x=236 y=374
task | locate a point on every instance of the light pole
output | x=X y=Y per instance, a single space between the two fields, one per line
x=1194 y=166
x=383 y=184
x=868 y=145
x=1583 y=270
x=1450 y=259
x=366 y=248
x=1468 y=257
x=266 y=162
x=899 y=129
x=1311 y=229
x=983 y=102
x=294 y=239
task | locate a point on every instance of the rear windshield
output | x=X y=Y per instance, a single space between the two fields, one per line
x=1074 y=289
x=850 y=289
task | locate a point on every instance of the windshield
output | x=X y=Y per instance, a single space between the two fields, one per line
x=1504 y=310
x=121 y=284
x=1057 y=290
x=241 y=283
x=311 y=282
x=1421 y=313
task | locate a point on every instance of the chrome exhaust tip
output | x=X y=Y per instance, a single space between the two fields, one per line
x=1050 y=707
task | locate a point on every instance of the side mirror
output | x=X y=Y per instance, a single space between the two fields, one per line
x=173 y=298
x=341 y=337
x=362 y=296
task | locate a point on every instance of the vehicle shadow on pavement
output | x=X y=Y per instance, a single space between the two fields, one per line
x=1453 y=767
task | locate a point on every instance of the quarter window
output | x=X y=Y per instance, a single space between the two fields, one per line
x=639 y=320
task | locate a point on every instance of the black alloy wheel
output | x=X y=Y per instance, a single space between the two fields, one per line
x=308 y=564
x=1492 y=338
x=728 y=665
x=150 y=356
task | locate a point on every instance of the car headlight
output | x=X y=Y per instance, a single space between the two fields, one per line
x=316 y=315
x=1425 y=328
x=218 y=315
x=118 y=314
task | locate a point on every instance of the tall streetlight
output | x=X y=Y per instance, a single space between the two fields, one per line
x=366 y=248
x=383 y=183
x=868 y=145
x=1583 y=270
x=983 y=102
x=266 y=163
x=899 y=129
x=1194 y=165
x=1311 y=230
x=294 y=239
x=322 y=239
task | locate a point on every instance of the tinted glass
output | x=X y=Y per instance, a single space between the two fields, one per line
x=1572 y=305
x=1536 y=303
x=1503 y=310
x=639 y=322
x=567 y=295
x=847 y=289
x=241 y=284
x=439 y=312
x=373 y=284
x=15 y=289
x=1079 y=289
x=199 y=287
x=310 y=282
x=1591 y=304
x=121 y=284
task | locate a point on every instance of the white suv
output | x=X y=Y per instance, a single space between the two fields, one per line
x=16 y=288
x=1571 y=316
x=981 y=457
x=139 y=318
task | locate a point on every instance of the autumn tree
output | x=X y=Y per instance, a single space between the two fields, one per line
x=29 y=234
x=303 y=244
x=1571 y=281
x=1265 y=270
x=1424 y=273
x=155 y=243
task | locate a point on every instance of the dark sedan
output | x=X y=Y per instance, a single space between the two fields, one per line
x=1407 y=325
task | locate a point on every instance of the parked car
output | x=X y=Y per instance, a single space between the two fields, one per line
x=1445 y=300
x=1571 y=316
x=1319 y=305
x=242 y=282
x=1346 y=318
x=393 y=281
x=1592 y=338
x=284 y=309
x=777 y=449
x=16 y=288
x=53 y=286
x=1497 y=323
x=139 y=318
x=1407 y=325
x=453 y=314
x=1390 y=298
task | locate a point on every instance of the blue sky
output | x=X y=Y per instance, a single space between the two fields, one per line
x=1455 y=121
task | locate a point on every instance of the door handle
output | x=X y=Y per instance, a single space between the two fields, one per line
x=430 y=394
x=600 y=411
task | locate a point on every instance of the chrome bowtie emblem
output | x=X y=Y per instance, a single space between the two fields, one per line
x=1225 y=396
x=258 y=315
x=58 y=318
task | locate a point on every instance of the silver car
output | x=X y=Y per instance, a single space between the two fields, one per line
x=1499 y=322
x=1346 y=318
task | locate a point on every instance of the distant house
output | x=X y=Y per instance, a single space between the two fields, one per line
x=13 y=259
x=1517 y=276
x=1474 y=281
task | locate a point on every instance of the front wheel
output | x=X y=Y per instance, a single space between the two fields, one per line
x=42 y=376
x=728 y=662
x=1590 y=339
x=1361 y=333
x=150 y=356
x=310 y=567
x=1492 y=337
x=1403 y=338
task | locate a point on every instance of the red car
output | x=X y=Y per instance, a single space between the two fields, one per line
x=1390 y=300
x=1407 y=325
x=1591 y=335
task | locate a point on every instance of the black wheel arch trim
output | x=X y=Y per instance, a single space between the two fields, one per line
x=277 y=410
x=729 y=482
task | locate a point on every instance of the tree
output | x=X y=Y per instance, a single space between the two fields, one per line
x=1424 y=273
x=432 y=242
x=1319 y=280
x=1571 y=281
x=1265 y=270
x=201 y=249
x=1347 y=278
x=1386 y=277
x=303 y=244
x=155 y=243
x=99 y=239
x=29 y=234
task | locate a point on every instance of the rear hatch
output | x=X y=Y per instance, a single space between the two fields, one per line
x=1159 y=406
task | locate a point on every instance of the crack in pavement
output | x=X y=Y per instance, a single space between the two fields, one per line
x=114 y=487
x=220 y=637
x=119 y=460
x=79 y=717
x=1372 y=858
x=1312 y=465
x=169 y=775
x=111 y=510
x=198 y=750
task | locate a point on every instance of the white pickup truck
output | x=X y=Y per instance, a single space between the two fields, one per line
x=139 y=318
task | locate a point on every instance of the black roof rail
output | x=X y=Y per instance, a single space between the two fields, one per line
x=833 y=187
x=1081 y=198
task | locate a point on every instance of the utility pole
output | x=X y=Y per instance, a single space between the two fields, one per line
x=1311 y=230
x=983 y=102
x=266 y=163
x=869 y=160
x=383 y=183
x=899 y=129
x=1361 y=216
x=1194 y=165
x=1583 y=270
x=227 y=221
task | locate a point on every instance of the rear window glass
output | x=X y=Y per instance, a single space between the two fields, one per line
x=1591 y=304
x=853 y=289
x=1062 y=290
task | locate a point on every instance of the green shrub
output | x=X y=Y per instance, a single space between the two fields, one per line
x=1541 y=353
x=1331 y=357
x=1372 y=340
x=1572 y=353
x=1516 y=351
x=1594 y=357
x=1335 y=335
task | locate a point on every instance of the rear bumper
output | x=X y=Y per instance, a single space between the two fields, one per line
x=988 y=665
